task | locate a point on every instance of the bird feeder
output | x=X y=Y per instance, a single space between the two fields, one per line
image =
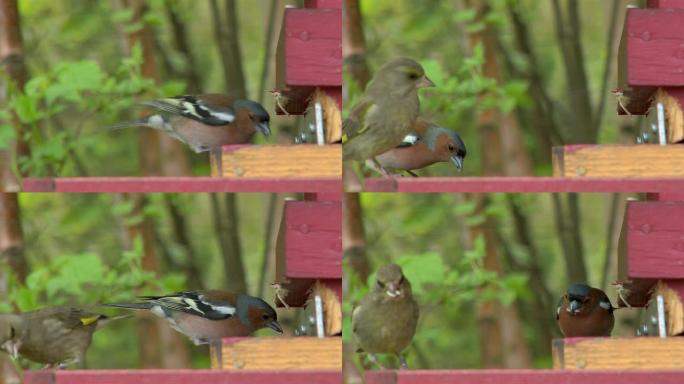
x=650 y=72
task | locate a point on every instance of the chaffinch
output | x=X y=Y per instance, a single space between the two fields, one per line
x=428 y=144
x=56 y=336
x=205 y=122
x=385 y=320
x=387 y=111
x=585 y=311
x=205 y=316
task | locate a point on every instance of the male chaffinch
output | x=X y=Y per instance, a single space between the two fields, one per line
x=385 y=320
x=56 y=336
x=428 y=144
x=585 y=311
x=205 y=122
x=387 y=111
x=205 y=316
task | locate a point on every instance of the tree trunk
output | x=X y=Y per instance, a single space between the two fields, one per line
x=500 y=328
x=354 y=237
x=12 y=62
x=354 y=43
x=232 y=259
x=154 y=343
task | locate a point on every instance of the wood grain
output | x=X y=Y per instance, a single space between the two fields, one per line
x=521 y=376
x=674 y=311
x=278 y=353
x=654 y=47
x=672 y=101
x=654 y=239
x=645 y=160
x=618 y=353
x=280 y=161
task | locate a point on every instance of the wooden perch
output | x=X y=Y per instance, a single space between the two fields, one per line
x=277 y=353
x=302 y=160
x=642 y=160
x=618 y=353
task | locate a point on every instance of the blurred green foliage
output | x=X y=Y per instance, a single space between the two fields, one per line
x=428 y=235
x=79 y=253
x=81 y=81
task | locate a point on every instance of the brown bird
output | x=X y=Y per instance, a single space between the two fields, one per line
x=386 y=319
x=429 y=144
x=205 y=122
x=57 y=336
x=585 y=311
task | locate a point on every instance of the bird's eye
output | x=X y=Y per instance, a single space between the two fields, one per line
x=12 y=332
x=265 y=317
x=413 y=75
x=451 y=148
x=380 y=284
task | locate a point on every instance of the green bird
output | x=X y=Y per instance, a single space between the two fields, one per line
x=386 y=113
x=386 y=319
x=57 y=336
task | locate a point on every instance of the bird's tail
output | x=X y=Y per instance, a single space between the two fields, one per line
x=128 y=124
x=104 y=320
x=128 y=305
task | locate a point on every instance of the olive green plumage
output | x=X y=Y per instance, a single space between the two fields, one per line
x=387 y=111
x=386 y=319
x=52 y=336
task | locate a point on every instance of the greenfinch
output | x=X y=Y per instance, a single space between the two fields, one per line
x=57 y=336
x=387 y=111
x=386 y=319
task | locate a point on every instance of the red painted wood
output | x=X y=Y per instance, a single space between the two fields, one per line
x=667 y=196
x=330 y=196
x=665 y=3
x=179 y=184
x=655 y=239
x=179 y=376
x=313 y=47
x=323 y=4
x=655 y=47
x=522 y=376
x=522 y=184
x=313 y=240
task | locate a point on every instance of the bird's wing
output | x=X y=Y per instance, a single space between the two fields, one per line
x=409 y=141
x=70 y=317
x=356 y=123
x=559 y=308
x=194 y=108
x=195 y=303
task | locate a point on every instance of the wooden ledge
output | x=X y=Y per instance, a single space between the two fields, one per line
x=638 y=160
x=179 y=376
x=522 y=376
x=635 y=353
x=301 y=160
x=182 y=184
x=277 y=353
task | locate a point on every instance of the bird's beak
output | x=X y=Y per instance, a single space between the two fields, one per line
x=264 y=128
x=458 y=162
x=425 y=82
x=574 y=307
x=274 y=326
x=393 y=291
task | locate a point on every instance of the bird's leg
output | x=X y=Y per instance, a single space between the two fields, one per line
x=411 y=173
x=380 y=168
x=402 y=361
x=375 y=361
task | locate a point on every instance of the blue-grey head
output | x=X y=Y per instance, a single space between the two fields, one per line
x=258 y=313
x=578 y=294
x=257 y=113
x=446 y=144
